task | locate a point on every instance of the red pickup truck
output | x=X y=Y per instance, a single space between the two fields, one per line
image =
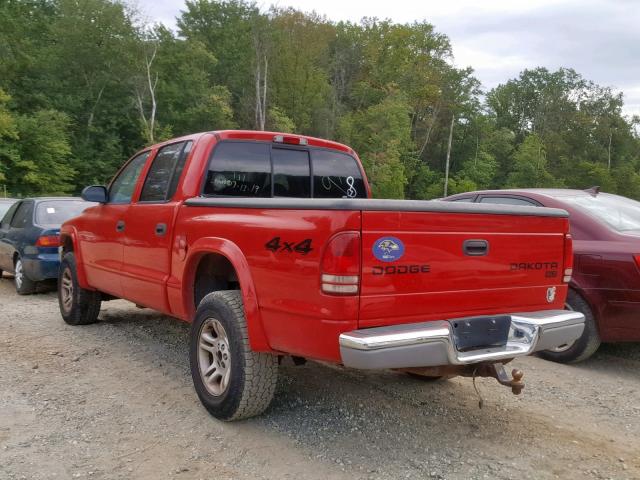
x=270 y=245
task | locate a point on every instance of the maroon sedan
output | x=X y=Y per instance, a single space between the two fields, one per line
x=606 y=274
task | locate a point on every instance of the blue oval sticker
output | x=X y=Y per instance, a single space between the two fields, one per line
x=388 y=249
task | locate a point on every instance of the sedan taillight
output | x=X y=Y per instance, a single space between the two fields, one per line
x=568 y=258
x=48 y=241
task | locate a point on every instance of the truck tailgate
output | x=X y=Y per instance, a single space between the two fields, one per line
x=421 y=266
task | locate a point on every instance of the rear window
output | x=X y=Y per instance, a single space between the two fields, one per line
x=55 y=212
x=618 y=213
x=291 y=173
x=240 y=170
x=336 y=175
x=255 y=169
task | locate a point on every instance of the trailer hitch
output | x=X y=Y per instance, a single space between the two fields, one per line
x=497 y=371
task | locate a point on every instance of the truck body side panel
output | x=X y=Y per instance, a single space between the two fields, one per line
x=283 y=249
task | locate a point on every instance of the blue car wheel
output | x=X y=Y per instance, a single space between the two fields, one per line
x=24 y=285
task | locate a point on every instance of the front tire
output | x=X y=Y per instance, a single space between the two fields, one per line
x=78 y=306
x=24 y=285
x=589 y=341
x=232 y=381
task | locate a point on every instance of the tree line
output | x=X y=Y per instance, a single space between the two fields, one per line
x=86 y=83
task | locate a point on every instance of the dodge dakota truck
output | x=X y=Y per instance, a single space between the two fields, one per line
x=270 y=245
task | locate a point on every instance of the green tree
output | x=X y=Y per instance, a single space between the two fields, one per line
x=43 y=166
x=530 y=166
x=381 y=134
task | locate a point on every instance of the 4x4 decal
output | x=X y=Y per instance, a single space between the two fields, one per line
x=276 y=246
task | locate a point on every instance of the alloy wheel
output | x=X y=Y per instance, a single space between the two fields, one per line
x=214 y=357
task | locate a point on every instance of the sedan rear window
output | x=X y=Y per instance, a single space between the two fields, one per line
x=55 y=212
x=619 y=213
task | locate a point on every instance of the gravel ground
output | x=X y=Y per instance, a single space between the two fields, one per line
x=114 y=400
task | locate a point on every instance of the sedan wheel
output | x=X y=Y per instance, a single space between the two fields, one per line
x=566 y=346
x=18 y=274
x=583 y=347
x=24 y=285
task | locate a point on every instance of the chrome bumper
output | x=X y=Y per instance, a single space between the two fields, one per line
x=431 y=344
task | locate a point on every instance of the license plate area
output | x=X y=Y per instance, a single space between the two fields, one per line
x=480 y=332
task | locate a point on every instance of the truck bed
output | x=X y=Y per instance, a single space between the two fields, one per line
x=433 y=280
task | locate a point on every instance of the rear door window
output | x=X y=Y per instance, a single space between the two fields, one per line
x=291 y=173
x=6 y=220
x=159 y=185
x=463 y=199
x=240 y=169
x=508 y=201
x=336 y=175
x=23 y=215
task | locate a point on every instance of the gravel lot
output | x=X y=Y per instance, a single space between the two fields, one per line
x=114 y=400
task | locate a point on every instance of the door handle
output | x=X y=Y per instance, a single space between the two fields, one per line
x=161 y=229
x=475 y=248
x=120 y=226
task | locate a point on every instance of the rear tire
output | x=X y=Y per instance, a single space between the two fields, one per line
x=232 y=381
x=24 y=285
x=78 y=306
x=583 y=347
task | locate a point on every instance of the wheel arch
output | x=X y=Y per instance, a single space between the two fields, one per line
x=69 y=243
x=204 y=256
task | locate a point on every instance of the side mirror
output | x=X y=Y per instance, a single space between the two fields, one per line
x=95 y=193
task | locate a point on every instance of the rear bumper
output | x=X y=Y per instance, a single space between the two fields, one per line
x=42 y=266
x=431 y=344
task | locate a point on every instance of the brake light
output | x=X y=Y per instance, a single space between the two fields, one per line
x=637 y=259
x=48 y=241
x=568 y=258
x=341 y=265
x=290 y=140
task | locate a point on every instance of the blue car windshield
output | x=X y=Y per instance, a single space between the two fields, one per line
x=54 y=213
x=619 y=213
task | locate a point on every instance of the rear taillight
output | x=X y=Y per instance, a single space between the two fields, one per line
x=340 y=267
x=48 y=241
x=637 y=259
x=568 y=258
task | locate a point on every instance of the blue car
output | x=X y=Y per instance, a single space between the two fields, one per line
x=30 y=236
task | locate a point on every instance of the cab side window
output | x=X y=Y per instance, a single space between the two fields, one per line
x=23 y=215
x=162 y=179
x=121 y=189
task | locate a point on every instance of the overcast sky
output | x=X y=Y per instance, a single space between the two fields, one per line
x=499 y=38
